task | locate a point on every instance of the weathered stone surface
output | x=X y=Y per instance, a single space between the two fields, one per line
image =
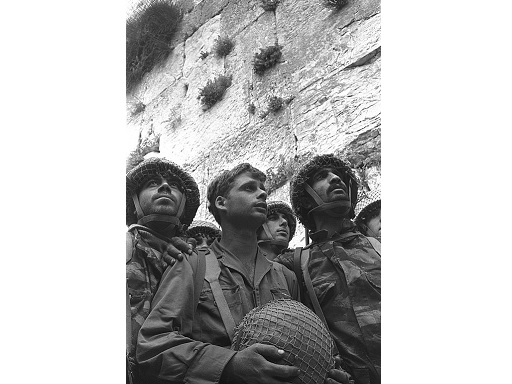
x=329 y=75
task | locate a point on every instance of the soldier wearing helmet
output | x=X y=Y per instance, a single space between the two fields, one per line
x=277 y=231
x=341 y=263
x=161 y=201
x=368 y=214
x=188 y=334
x=203 y=232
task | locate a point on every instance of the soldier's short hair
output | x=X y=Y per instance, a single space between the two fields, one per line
x=222 y=183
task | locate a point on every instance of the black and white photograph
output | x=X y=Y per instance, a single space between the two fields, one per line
x=236 y=152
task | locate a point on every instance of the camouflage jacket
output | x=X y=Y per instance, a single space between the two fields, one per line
x=144 y=269
x=345 y=272
x=186 y=342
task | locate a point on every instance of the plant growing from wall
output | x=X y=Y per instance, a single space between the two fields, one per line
x=223 y=46
x=336 y=4
x=148 y=36
x=269 y=5
x=204 y=54
x=214 y=90
x=275 y=103
x=138 y=107
x=266 y=58
x=143 y=148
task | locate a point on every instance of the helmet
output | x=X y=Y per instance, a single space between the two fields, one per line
x=293 y=327
x=298 y=185
x=284 y=208
x=138 y=175
x=203 y=227
x=366 y=203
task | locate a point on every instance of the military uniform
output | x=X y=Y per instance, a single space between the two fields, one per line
x=181 y=343
x=345 y=272
x=144 y=269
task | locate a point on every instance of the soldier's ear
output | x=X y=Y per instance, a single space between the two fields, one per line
x=220 y=203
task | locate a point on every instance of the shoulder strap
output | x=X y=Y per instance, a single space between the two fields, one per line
x=375 y=244
x=309 y=285
x=212 y=276
x=297 y=268
x=129 y=245
x=300 y=260
x=199 y=272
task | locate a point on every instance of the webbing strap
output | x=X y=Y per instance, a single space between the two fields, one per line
x=129 y=245
x=212 y=276
x=300 y=261
x=199 y=275
x=297 y=268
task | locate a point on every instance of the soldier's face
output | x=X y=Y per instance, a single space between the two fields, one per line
x=327 y=183
x=278 y=226
x=161 y=195
x=374 y=226
x=246 y=200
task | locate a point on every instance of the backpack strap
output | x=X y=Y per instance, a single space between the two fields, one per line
x=129 y=250
x=129 y=373
x=297 y=269
x=300 y=267
x=212 y=276
x=199 y=274
x=375 y=244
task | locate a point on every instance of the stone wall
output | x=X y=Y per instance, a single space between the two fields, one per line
x=329 y=74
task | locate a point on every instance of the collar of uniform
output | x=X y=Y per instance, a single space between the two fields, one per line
x=347 y=228
x=263 y=265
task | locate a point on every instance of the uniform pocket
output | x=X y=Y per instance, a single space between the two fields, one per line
x=212 y=328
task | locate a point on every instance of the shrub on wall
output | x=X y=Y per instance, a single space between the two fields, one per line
x=266 y=58
x=336 y=4
x=223 y=46
x=269 y=5
x=148 y=36
x=275 y=103
x=214 y=90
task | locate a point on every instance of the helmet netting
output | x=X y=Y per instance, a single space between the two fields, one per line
x=138 y=175
x=298 y=195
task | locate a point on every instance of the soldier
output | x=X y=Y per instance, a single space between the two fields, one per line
x=161 y=201
x=368 y=214
x=340 y=267
x=276 y=233
x=188 y=334
x=203 y=232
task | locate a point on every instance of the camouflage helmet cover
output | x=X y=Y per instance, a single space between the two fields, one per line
x=139 y=174
x=203 y=227
x=299 y=195
x=285 y=209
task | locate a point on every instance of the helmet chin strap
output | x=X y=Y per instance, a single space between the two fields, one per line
x=270 y=239
x=338 y=208
x=143 y=219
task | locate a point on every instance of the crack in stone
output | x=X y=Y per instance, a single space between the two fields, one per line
x=366 y=59
x=356 y=20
